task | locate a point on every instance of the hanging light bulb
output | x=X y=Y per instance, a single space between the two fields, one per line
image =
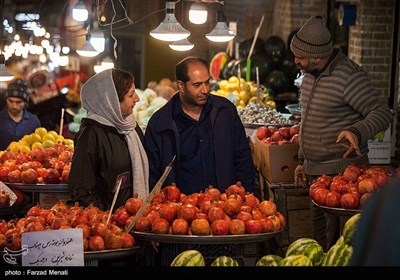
x=198 y=13
x=5 y=75
x=181 y=45
x=79 y=12
x=97 y=38
x=220 y=33
x=170 y=29
x=87 y=49
x=107 y=62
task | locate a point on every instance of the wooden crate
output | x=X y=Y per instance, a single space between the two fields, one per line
x=294 y=204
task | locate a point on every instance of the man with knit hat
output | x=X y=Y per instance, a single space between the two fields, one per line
x=15 y=120
x=341 y=110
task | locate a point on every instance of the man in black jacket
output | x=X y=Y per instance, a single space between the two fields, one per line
x=205 y=133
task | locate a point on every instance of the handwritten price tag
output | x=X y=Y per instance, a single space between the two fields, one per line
x=53 y=248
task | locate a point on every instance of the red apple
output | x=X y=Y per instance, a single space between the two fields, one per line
x=349 y=201
x=180 y=227
x=285 y=131
x=320 y=196
x=220 y=227
x=254 y=226
x=263 y=132
x=332 y=199
x=367 y=185
x=267 y=225
x=29 y=176
x=14 y=176
x=325 y=179
x=51 y=176
x=276 y=136
x=160 y=226
x=236 y=227
x=350 y=175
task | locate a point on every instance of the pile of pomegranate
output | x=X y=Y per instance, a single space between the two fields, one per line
x=211 y=212
x=49 y=165
x=349 y=190
x=273 y=135
x=97 y=235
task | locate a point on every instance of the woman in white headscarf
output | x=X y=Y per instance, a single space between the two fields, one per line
x=109 y=143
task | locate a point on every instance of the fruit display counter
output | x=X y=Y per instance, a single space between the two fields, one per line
x=40 y=188
x=338 y=211
x=44 y=194
x=208 y=239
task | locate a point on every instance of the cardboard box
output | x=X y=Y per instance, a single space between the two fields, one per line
x=379 y=148
x=276 y=162
x=47 y=200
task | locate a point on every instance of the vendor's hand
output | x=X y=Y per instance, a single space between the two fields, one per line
x=350 y=141
x=300 y=177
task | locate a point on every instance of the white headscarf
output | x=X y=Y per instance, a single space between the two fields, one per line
x=99 y=97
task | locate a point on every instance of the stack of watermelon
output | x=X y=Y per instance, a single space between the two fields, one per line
x=195 y=258
x=340 y=253
x=307 y=251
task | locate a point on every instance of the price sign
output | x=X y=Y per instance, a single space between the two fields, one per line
x=53 y=248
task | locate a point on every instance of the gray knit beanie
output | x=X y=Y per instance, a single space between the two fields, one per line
x=18 y=88
x=313 y=39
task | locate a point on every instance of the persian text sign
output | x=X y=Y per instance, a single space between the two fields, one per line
x=53 y=248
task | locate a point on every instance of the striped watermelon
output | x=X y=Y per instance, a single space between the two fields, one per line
x=224 y=261
x=307 y=247
x=269 y=260
x=338 y=255
x=189 y=258
x=350 y=227
x=296 y=260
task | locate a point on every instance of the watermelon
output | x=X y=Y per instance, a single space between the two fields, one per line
x=296 y=260
x=217 y=64
x=275 y=48
x=189 y=258
x=338 y=255
x=349 y=228
x=278 y=81
x=227 y=70
x=307 y=247
x=224 y=261
x=269 y=260
x=245 y=46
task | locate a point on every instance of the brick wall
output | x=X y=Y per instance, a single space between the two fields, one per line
x=290 y=15
x=370 y=41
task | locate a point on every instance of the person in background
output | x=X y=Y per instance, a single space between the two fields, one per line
x=376 y=239
x=16 y=121
x=203 y=131
x=341 y=110
x=108 y=143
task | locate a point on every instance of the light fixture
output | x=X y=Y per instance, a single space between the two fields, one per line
x=87 y=49
x=5 y=75
x=170 y=29
x=198 y=13
x=79 y=12
x=97 y=38
x=220 y=33
x=181 y=45
x=107 y=62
